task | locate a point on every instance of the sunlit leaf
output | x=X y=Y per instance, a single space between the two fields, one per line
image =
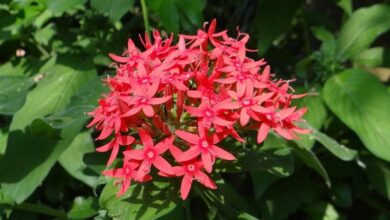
x=361 y=101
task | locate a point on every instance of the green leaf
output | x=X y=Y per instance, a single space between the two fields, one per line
x=60 y=6
x=288 y=195
x=261 y=182
x=322 y=210
x=13 y=91
x=192 y=11
x=330 y=144
x=361 y=29
x=141 y=201
x=275 y=160
x=115 y=9
x=29 y=157
x=310 y=159
x=362 y=102
x=315 y=115
x=346 y=5
x=81 y=103
x=83 y=208
x=271 y=25
x=72 y=158
x=328 y=46
x=373 y=57
x=32 y=150
x=53 y=93
x=378 y=173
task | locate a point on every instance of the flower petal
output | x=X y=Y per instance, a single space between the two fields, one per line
x=145 y=138
x=189 y=154
x=187 y=136
x=262 y=133
x=205 y=180
x=185 y=186
x=148 y=110
x=207 y=161
x=221 y=153
x=162 y=165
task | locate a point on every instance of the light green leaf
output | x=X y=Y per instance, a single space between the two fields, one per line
x=72 y=158
x=80 y=105
x=60 y=6
x=330 y=144
x=373 y=57
x=362 y=102
x=141 y=201
x=315 y=115
x=13 y=91
x=361 y=29
x=53 y=93
x=346 y=5
x=115 y=9
x=328 y=46
x=271 y=25
x=33 y=150
x=83 y=208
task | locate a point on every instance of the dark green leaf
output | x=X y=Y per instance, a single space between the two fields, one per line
x=13 y=91
x=379 y=174
x=311 y=160
x=115 y=9
x=361 y=101
x=361 y=29
x=322 y=210
x=270 y=25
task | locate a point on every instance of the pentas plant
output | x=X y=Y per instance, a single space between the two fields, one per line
x=171 y=105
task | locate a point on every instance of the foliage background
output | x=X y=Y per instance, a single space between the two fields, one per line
x=54 y=55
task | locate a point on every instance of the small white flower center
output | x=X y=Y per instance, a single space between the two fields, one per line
x=246 y=102
x=127 y=170
x=150 y=154
x=144 y=80
x=204 y=144
x=208 y=113
x=191 y=167
x=143 y=100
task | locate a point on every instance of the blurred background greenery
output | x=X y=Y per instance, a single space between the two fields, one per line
x=54 y=55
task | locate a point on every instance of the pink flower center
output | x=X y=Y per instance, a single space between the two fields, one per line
x=144 y=80
x=127 y=170
x=150 y=154
x=143 y=101
x=241 y=77
x=191 y=167
x=208 y=113
x=246 y=102
x=204 y=144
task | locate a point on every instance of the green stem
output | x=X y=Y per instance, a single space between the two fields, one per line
x=145 y=17
x=42 y=209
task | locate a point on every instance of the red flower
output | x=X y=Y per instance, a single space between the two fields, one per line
x=203 y=145
x=144 y=100
x=151 y=155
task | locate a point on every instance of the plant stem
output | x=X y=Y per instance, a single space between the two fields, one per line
x=145 y=17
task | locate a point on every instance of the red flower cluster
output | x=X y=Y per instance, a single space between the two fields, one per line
x=180 y=100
